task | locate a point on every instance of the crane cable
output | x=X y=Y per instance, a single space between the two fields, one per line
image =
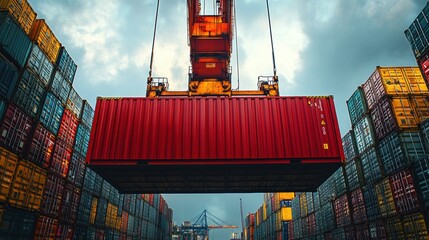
x=149 y=79
x=272 y=44
x=236 y=47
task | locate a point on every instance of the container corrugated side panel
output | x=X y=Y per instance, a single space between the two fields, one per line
x=362 y=231
x=404 y=192
x=371 y=203
x=394 y=228
x=340 y=182
x=418 y=33
x=66 y=65
x=74 y=102
x=84 y=209
x=358 y=206
x=421 y=174
x=354 y=174
x=52 y=196
x=76 y=174
x=42 y=146
x=8 y=164
x=385 y=199
x=51 y=113
x=87 y=114
x=9 y=77
x=27 y=187
x=68 y=128
x=342 y=211
x=69 y=204
x=46 y=39
x=267 y=120
x=22 y=11
x=61 y=158
x=370 y=166
x=14 y=41
x=357 y=106
x=46 y=228
x=420 y=105
x=398 y=150
x=40 y=65
x=349 y=146
x=424 y=129
x=415 y=227
x=64 y=231
x=364 y=134
x=100 y=218
x=415 y=80
x=17 y=224
x=60 y=87
x=377 y=230
x=29 y=94
x=15 y=129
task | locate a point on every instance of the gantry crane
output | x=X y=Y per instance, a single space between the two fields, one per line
x=200 y=228
x=210 y=41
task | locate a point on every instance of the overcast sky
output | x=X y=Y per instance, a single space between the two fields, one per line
x=322 y=48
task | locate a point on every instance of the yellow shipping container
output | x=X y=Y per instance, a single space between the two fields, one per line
x=286 y=214
x=415 y=227
x=45 y=39
x=385 y=198
x=402 y=80
x=303 y=204
x=118 y=223
x=27 y=187
x=264 y=211
x=8 y=162
x=22 y=11
x=93 y=212
x=286 y=196
x=420 y=105
x=111 y=215
x=404 y=113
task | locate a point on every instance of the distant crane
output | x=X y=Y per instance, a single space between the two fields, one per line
x=243 y=236
x=199 y=230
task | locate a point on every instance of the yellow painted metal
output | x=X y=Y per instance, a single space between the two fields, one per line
x=402 y=80
x=210 y=87
x=22 y=11
x=415 y=227
x=46 y=39
x=303 y=204
x=27 y=187
x=111 y=215
x=403 y=112
x=8 y=163
x=285 y=196
x=385 y=198
x=270 y=89
x=264 y=211
x=286 y=214
x=93 y=212
x=420 y=106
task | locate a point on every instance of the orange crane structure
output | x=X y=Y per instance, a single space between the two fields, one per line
x=210 y=40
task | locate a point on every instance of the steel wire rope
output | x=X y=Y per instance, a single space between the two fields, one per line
x=149 y=79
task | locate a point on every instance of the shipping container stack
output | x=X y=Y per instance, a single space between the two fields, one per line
x=46 y=190
x=272 y=219
x=381 y=191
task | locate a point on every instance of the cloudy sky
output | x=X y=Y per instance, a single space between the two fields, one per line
x=322 y=48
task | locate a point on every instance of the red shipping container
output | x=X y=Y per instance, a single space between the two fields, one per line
x=64 y=232
x=46 y=228
x=68 y=127
x=69 y=204
x=312 y=224
x=287 y=143
x=52 y=196
x=404 y=192
x=15 y=129
x=124 y=222
x=77 y=168
x=42 y=146
x=61 y=158
x=358 y=206
x=342 y=212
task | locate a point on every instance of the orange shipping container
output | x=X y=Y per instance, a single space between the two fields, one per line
x=27 y=187
x=22 y=11
x=93 y=212
x=112 y=215
x=8 y=162
x=45 y=39
x=46 y=228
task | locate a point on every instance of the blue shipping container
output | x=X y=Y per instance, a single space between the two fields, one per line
x=17 y=224
x=66 y=65
x=364 y=134
x=29 y=94
x=354 y=174
x=370 y=166
x=14 y=42
x=51 y=113
x=371 y=203
x=421 y=173
x=74 y=102
x=60 y=87
x=2 y=109
x=349 y=146
x=418 y=33
x=424 y=129
x=76 y=170
x=340 y=182
x=357 y=106
x=87 y=114
x=40 y=64
x=398 y=150
x=9 y=77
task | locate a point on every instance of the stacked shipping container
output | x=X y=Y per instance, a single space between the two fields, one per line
x=381 y=191
x=272 y=219
x=46 y=191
